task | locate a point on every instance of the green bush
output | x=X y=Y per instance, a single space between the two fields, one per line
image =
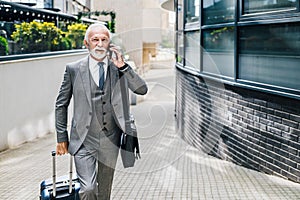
x=63 y=43
x=40 y=37
x=35 y=36
x=3 y=46
x=76 y=34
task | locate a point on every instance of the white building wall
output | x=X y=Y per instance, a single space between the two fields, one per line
x=28 y=91
x=152 y=25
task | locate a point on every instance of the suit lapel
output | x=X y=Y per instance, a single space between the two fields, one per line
x=114 y=77
x=85 y=77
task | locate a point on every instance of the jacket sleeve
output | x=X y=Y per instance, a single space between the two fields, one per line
x=61 y=107
x=135 y=82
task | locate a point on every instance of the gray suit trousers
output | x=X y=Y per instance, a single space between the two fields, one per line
x=95 y=169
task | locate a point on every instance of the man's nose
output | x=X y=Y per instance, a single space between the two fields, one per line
x=100 y=44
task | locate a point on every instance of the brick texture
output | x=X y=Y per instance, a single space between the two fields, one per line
x=249 y=128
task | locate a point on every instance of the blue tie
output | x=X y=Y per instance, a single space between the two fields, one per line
x=101 y=75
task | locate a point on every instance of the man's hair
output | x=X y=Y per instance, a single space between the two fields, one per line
x=95 y=26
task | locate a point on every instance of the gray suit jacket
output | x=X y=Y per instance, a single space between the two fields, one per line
x=76 y=84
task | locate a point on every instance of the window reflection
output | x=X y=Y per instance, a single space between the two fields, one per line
x=192 y=49
x=179 y=33
x=180 y=15
x=180 y=47
x=255 y=6
x=218 y=11
x=218 y=55
x=280 y=39
x=192 y=11
x=270 y=54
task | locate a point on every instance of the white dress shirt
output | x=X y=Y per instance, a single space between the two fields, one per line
x=94 y=69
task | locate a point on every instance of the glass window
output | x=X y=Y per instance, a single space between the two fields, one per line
x=48 y=3
x=192 y=49
x=180 y=15
x=179 y=33
x=180 y=47
x=251 y=6
x=270 y=54
x=218 y=52
x=192 y=11
x=218 y=11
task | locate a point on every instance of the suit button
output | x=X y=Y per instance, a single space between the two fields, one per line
x=90 y=113
x=87 y=127
x=104 y=113
x=104 y=102
x=104 y=123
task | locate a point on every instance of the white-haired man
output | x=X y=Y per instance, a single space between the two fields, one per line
x=98 y=118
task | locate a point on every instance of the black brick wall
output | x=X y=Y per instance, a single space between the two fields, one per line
x=254 y=129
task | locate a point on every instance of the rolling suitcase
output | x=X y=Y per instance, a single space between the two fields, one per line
x=64 y=187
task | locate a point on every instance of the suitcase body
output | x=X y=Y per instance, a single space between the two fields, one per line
x=64 y=187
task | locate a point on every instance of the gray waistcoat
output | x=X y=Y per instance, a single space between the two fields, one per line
x=102 y=118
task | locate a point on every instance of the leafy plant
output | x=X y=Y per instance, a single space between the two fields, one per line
x=76 y=34
x=3 y=46
x=40 y=37
x=62 y=43
x=35 y=36
x=216 y=34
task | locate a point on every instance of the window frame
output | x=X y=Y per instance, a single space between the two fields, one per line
x=268 y=15
x=191 y=25
x=241 y=20
x=198 y=68
x=177 y=31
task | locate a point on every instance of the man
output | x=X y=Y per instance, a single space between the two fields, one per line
x=98 y=118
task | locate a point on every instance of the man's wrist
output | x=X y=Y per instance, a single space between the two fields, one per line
x=62 y=137
x=124 y=68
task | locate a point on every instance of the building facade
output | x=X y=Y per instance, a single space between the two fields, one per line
x=238 y=91
x=72 y=7
x=64 y=6
x=139 y=26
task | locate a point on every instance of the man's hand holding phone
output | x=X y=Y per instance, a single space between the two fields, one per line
x=116 y=55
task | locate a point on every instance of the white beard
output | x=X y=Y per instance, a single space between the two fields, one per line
x=98 y=55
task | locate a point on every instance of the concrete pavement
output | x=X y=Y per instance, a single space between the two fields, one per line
x=169 y=168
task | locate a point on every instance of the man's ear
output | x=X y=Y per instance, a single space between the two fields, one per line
x=86 y=44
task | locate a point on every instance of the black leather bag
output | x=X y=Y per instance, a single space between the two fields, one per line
x=129 y=143
x=130 y=150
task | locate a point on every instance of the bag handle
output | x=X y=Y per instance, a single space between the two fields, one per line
x=53 y=153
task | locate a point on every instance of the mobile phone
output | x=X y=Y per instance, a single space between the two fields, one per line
x=111 y=53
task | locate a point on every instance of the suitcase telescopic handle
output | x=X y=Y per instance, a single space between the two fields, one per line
x=54 y=172
x=53 y=153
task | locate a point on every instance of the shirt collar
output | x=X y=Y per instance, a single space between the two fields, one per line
x=94 y=62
